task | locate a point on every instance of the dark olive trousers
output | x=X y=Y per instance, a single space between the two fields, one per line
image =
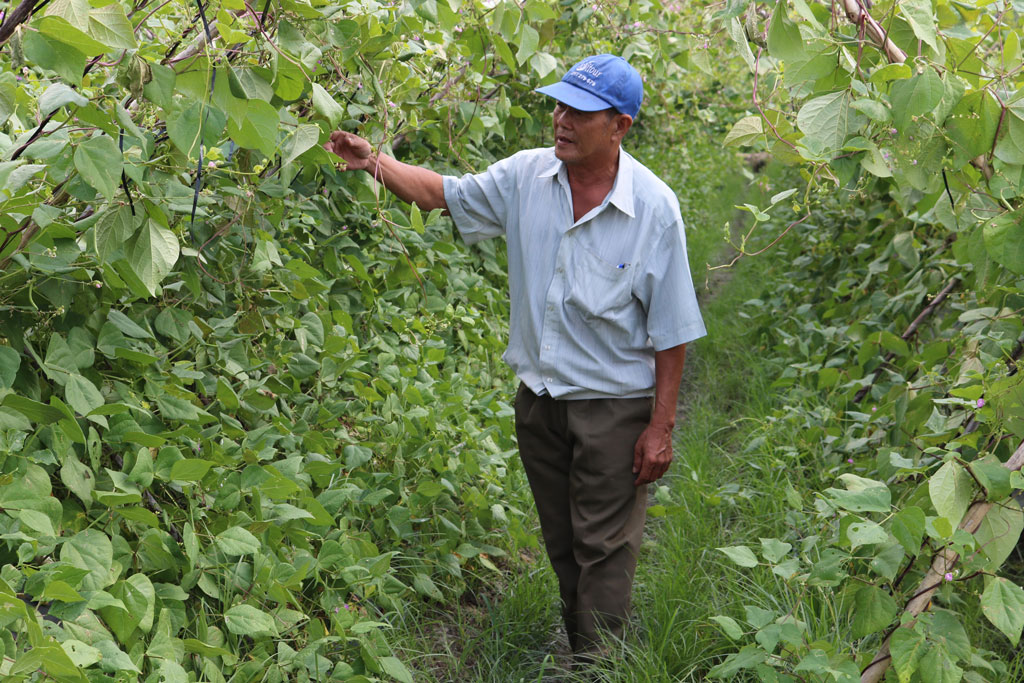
x=578 y=457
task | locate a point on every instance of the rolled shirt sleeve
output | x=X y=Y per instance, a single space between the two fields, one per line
x=479 y=203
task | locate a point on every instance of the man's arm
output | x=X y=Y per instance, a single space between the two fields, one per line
x=653 y=452
x=410 y=183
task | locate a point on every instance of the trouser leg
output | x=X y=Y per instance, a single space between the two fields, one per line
x=546 y=451
x=578 y=457
x=608 y=511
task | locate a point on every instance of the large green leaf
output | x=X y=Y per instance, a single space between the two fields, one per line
x=326 y=106
x=152 y=253
x=784 y=39
x=1003 y=605
x=113 y=229
x=740 y=554
x=237 y=541
x=257 y=129
x=75 y=12
x=827 y=121
x=915 y=96
x=92 y=551
x=1010 y=146
x=951 y=490
x=907 y=645
x=246 y=620
x=921 y=17
x=10 y=361
x=82 y=394
x=49 y=53
x=59 y=95
x=195 y=124
x=110 y=26
x=873 y=610
x=907 y=527
x=100 y=162
x=999 y=532
x=972 y=125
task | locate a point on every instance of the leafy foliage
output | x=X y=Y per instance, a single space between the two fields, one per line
x=247 y=404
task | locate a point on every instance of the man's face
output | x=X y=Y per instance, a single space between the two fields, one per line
x=587 y=137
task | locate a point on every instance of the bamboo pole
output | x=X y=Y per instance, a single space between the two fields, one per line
x=942 y=563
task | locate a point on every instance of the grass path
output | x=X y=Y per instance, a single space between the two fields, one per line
x=514 y=633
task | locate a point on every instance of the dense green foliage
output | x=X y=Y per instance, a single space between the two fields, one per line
x=900 y=329
x=247 y=403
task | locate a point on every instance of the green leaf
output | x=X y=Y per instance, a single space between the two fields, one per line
x=784 y=39
x=994 y=476
x=257 y=129
x=33 y=410
x=152 y=254
x=1004 y=241
x=114 y=658
x=873 y=610
x=827 y=121
x=528 y=40
x=10 y=361
x=190 y=469
x=745 y=131
x=1003 y=605
x=729 y=627
x=862 y=495
x=1010 y=146
x=90 y=550
x=873 y=109
x=237 y=541
x=50 y=53
x=394 y=667
x=113 y=228
x=865 y=533
x=740 y=554
x=773 y=550
x=100 y=162
x=196 y=123
x=326 y=106
x=907 y=646
x=908 y=528
x=246 y=620
x=247 y=83
x=915 y=96
x=747 y=658
x=305 y=137
x=972 y=125
x=110 y=26
x=82 y=394
x=921 y=17
x=75 y=12
x=59 y=95
x=951 y=490
x=938 y=667
x=127 y=326
x=81 y=654
x=999 y=532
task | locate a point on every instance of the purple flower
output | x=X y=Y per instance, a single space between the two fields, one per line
x=948 y=576
x=981 y=403
x=849 y=460
x=637 y=24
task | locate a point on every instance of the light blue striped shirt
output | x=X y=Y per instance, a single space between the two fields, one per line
x=591 y=300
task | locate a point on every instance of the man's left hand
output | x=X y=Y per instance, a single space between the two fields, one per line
x=653 y=453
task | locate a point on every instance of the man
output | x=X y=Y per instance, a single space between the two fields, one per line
x=602 y=306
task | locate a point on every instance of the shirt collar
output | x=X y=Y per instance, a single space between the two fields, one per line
x=621 y=195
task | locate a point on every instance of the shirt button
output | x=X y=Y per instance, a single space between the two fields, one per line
x=550 y=380
x=561 y=270
x=551 y=308
x=547 y=347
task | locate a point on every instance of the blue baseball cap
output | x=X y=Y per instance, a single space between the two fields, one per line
x=600 y=82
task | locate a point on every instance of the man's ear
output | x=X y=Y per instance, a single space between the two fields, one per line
x=623 y=122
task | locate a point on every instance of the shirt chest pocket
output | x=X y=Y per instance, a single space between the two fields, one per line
x=598 y=288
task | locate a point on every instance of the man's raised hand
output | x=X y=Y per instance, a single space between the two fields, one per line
x=356 y=151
